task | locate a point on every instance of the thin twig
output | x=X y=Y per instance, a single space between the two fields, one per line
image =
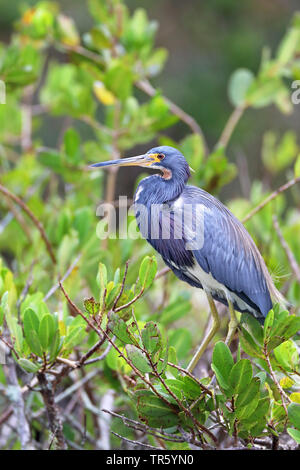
x=282 y=393
x=230 y=126
x=272 y=196
x=36 y=222
x=149 y=89
x=65 y=276
x=137 y=443
x=18 y=409
x=290 y=256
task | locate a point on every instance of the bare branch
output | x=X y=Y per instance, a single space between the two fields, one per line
x=36 y=222
x=270 y=198
x=290 y=256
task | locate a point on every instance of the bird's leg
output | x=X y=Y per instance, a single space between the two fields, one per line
x=233 y=323
x=209 y=336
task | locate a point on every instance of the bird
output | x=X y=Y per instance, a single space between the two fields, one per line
x=200 y=240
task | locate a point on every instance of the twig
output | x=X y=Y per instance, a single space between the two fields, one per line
x=137 y=443
x=162 y=272
x=272 y=196
x=290 y=256
x=147 y=88
x=104 y=423
x=101 y=357
x=65 y=276
x=282 y=393
x=230 y=126
x=18 y=408
x=122 y=286
x=36 y=222
x=54 y=418
x=77 y=310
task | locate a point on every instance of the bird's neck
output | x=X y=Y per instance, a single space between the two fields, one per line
x=157 y=190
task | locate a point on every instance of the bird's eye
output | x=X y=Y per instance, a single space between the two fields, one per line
x=160 y=156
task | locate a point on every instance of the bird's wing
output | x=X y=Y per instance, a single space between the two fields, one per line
x=228 y=252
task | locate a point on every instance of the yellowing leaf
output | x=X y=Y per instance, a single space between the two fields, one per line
x=295 y=397
x=286 y=382
x=103 y=94
x=62 y=328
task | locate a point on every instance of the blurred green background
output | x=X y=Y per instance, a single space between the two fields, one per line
x=206 y=41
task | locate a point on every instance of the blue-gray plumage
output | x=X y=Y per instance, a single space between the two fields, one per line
x=227 y=263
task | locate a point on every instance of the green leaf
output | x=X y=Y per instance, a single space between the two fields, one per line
x=56 y=345
x=72 y=145
x=295 y=434
x=151 y=337
x=287 y=355
x=153 y=410
x=254 y=328
x=52 y=159
x=297 y=167
x=31 y=329
x=138 y=358
x=74 y=337
x=102 y=281
x=240 y=375
x=119 y=328
x=28 y=365
x=181 y=340
x=91 y=306
x=222 y=363
x=238 y=86
x=294 y=414
x=249 y=345
x=268 y=324
x=147 y=271
x=247 y=400
x=46 y=331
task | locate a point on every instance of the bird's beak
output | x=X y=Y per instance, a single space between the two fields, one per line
x=140 y=160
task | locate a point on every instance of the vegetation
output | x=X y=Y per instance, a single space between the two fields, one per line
x=97 y=336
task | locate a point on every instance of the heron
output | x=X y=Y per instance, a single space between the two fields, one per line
x=224 y=261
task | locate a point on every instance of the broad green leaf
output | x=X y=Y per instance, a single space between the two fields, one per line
x=119 y=328
x=240 y=375
x=147 y=271
x=138 y=358
x=268 y=324
x=74 y=337
x=249 y=345
x=295 y=434
x=151 y=337
x=181 y=340
x=248 y=394
x=28 y=365
x=238 y=86
x=46 y=331
x=287 y=355
x=222 y=363
x=294 y=414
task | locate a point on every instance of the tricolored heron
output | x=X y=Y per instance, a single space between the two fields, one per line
x=226 y=264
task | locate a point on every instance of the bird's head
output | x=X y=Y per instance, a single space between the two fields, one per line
x=168 y=160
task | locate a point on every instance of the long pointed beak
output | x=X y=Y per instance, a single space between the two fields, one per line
x=140 y=160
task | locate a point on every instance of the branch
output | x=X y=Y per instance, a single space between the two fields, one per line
x=272 y=196
x=230 y=126
x=277 y=384
x=292 y=260
x=55 y=421
x=18 y=408
x=147 y=88
x=36 y=222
